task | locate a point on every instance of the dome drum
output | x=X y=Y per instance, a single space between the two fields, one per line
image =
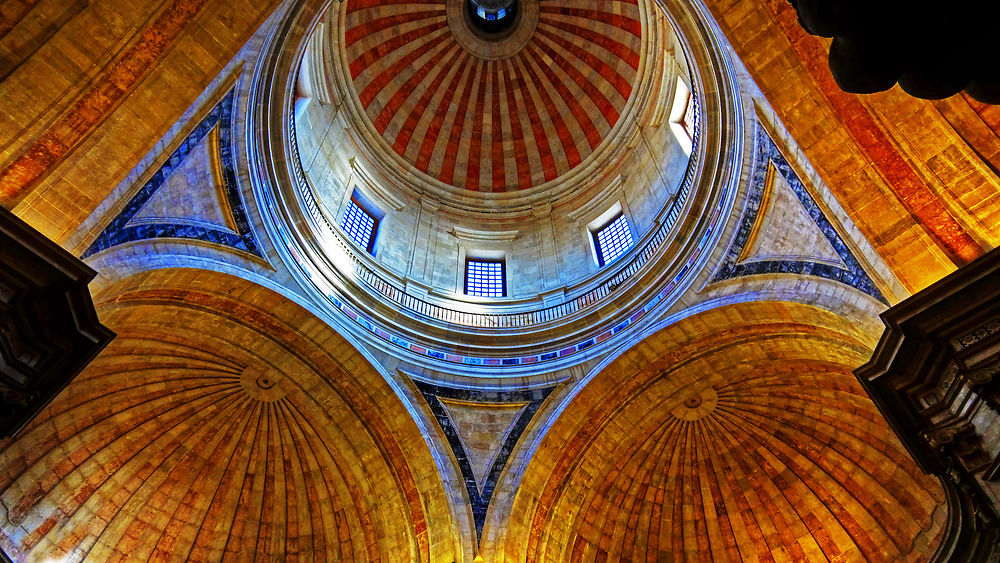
x=409 y=292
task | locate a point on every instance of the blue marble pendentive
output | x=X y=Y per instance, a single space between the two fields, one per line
x=119 y=231
x=853 y=276
x=534 y=397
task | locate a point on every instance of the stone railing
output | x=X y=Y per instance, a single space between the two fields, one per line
x=376 y=281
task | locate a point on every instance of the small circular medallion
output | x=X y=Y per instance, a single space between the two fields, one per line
x=696 y=404
x=263 y=383
x=692 y=402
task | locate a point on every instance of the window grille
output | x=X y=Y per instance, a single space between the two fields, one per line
x=485 y=278
x=360 y=226
x=612 y=240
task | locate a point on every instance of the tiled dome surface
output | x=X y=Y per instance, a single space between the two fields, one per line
x=493 y=125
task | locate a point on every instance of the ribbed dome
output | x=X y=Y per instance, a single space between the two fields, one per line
x=821 y=481
x=214 y=432
x=685 y=455
x=493 y=124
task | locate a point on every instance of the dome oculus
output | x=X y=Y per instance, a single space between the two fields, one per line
x=492 y=16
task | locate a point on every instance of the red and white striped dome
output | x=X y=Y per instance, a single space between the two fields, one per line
x=493 y=124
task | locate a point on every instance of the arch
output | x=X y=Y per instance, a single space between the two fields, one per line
x=224 y=420
x=738 y=432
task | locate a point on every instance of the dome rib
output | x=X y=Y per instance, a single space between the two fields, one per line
x=433 y=141
x=415 y=118
x=585 y=117
x=614 y=47
x=540 y=114
x=512 y=84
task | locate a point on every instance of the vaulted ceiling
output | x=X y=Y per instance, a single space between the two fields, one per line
x=226 y=415
x=920 y=178
x=217 y=425
x=733 y=435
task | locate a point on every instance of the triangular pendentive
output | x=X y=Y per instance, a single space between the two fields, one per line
x=784 y=231
x=482 y=428
x=194 y=195
x=199 y=173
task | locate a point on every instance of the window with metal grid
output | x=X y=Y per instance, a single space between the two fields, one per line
x=612 y=240
x=360 y=226
x=484 y=278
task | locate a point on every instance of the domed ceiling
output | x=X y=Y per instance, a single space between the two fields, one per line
x=493 y=115
x=216 y=432
x=681 y=453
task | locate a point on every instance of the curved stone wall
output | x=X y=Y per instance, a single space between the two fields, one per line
x=408 y=292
